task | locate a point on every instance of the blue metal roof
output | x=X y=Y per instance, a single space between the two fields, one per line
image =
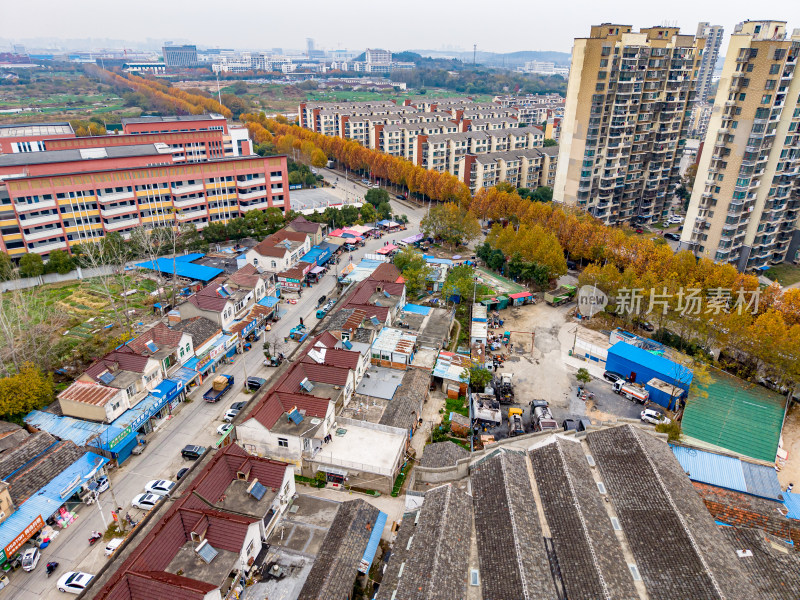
x=728 y=472
x=374 y=540
x=185 y=374
x=49 y=498
x=191 y=363
x=432 y=260
x=792 y=502
x=416 y=309
x=182 y=269
x=136 y=416
x=268 y=301
x=190 y=257
x=651 y=361
x=77 y=430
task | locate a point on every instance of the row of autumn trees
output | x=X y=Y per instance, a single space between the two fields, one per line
x=442 y=187
x=161 y=96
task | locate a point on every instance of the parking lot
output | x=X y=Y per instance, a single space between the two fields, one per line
x=320 y=198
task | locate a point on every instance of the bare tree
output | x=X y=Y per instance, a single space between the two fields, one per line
x=109 y=260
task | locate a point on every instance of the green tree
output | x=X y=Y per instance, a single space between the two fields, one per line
x=6 y=267
x=215 y=232
x=376 y=196
x=59 y=262
x=384 y=210
x=496 y=260
x=296 y=178
x=460 y=281
x=450 y=223
x=414 y=269
x=548 y=142
x=273 y=219
x=583 y=376
x=479 y=377
x=368 y=213
x=542 y=194
x=27 y=390
x=31 y=265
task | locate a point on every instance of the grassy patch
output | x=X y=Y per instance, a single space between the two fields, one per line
x=456 y=405
x=785 y=274
x=400 y=480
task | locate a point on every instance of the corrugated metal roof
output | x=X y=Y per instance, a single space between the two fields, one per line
x=451 y=366
x=88 y=393
x=738 y=416
x=374 y=539
x=395 y=340
x=792 y=502
x=664 y=366
x=49 y=498
x=182 y=269
x=190 y=257
x=75 y=430
x=728 y=472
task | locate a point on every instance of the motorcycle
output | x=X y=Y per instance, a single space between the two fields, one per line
x=51 y=566
x=96 y=535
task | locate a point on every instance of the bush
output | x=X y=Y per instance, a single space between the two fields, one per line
x=672 y=429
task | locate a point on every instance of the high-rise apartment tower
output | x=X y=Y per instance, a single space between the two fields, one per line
x=745 y=201
x=712 y=34
x=626 y=121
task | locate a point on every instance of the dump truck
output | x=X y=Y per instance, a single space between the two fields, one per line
x=515 y=426
x=220 y=387
x=560 y=295
x=486 y=411
x=631 y=391
x=541 y=417
x=504 y=389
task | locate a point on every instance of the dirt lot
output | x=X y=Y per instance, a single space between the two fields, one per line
x=790 y=472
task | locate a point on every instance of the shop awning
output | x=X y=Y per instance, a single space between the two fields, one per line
x=318 y=270
x=138 y=415
x=332 y=470
x=191 y=363
x=269 y=301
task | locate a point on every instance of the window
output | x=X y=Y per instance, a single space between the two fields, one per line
x=774 y=69
x=615 y=524
x=635 y=572
x=766 y=98
x=601 y=487
x=283 y=442
x=770 y=84
x=742 y=97
x=474 y=577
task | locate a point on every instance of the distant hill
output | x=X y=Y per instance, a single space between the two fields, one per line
x=509 y=60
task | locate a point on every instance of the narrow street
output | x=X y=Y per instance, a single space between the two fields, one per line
x=194 y=422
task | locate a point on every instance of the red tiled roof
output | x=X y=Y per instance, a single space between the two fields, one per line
x=315 y=373
x=380 y=312
x=268 y=250
x=88 y=393
x=123 y=359
x=301 y=224
x=334 y=357
x=248 y=277
x=161 y=335
x=327 y=339
x=208 y=298
x=386 y=272
x=366 y=288
x=276 y=404
x=143 y=570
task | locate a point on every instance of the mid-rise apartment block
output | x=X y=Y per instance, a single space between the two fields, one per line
x=180 y=57
x=529 y=168
x=71 y=197
x=745 y=204
x=713 y=35
x=626 y=121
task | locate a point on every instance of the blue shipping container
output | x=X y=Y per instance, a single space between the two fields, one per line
x=641 y=366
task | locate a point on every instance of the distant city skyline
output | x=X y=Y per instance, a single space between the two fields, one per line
x=346 y=25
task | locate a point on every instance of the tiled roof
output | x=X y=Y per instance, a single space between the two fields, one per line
x=339 y=557
x=365 y=289
x=442 y=454
x=41 y=470
x=161 y=335
x=512 y=556
x=302 y=225
x=11 y=435
x=653 y=500
x=33 y=446
x=123 y=359
x=246 y=277
x=314 y=372
x=386 y=272
x=581 y=530
x=88 y=393
x=275 y=404
x=333 y=357
x=200 y=329
x=405 y=407
x=436 y=555
x=769 y=563
x=208 y=298
x=379 y=312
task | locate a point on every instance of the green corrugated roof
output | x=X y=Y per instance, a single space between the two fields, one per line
x=738 y=416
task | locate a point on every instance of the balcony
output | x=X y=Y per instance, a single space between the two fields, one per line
x=119 y=210
x=42 y=235
x=115 y=196
x=279 y=179
x=192 y=214
x=45 y=248
x=122 y=223
x=184 y=202
x=251 y=182
x=20 y=207
x=188 y=189
x=39 y=220
x=254 y=194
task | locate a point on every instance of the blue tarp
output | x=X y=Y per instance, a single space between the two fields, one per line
x=374 y=540
x=416 y=309
x=138 y=415
x=48 y=499
x=728 y=472
x=79 y=431
x=268 y=301
x=432 y=260
x=792 y=503
x=182 y=269
x=190 y=257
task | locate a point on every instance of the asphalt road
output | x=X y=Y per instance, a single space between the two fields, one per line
x=193 y=423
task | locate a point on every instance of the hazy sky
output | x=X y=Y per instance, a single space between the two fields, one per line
x=500 y=26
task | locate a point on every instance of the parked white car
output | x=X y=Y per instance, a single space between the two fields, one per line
x=224 y=428
x=113 y=545
x=159 y=487
x=74 y=582
x=654 y=417
x=145 y=501
x=30 y=559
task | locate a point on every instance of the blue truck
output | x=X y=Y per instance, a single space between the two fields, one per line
x=220 y=387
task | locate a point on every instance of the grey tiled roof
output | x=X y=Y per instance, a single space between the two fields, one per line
x=436 y=552
x=771 y=565
x=588 y=552
x=512 y=556
x=678 y=548
x=336 y=566
x=28 y=450
x=42 y=469
x=442 y=454
x=406 y=405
